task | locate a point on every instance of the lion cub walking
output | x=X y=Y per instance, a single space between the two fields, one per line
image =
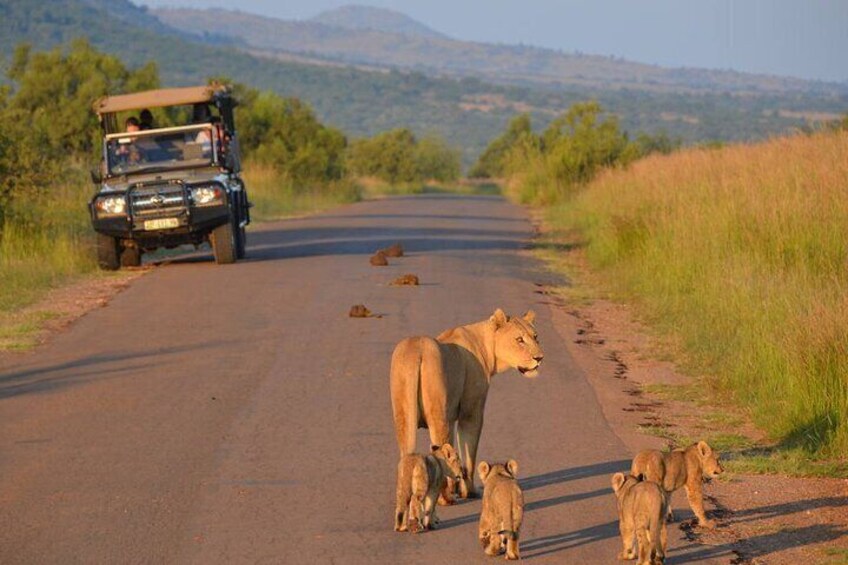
x=681 y=467
x=641 y=518
x=420 y=480
x=503 y=508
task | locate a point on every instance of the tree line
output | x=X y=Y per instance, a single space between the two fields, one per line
x=542 y=168
x=47 y=128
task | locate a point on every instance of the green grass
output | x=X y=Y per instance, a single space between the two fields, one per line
x=45 y=240
x=275 y=197
x=836 y=555
x=779 y=460
x=20 y=333
x=740 y=255
x=686 y=393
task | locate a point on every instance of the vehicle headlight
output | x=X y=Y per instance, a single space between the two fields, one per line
x=111 y=206
x=207 y=195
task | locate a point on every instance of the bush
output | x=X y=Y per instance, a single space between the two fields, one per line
x=437 y=161
x=574 y=147
x=397 y=157
x=285 y=134
x=492 y=161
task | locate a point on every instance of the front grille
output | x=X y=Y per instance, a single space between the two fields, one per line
x=158 y=201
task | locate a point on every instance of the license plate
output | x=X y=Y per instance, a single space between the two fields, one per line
x=161 y=223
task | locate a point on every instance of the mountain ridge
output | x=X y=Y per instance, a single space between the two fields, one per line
x=502 y=64
x=358 y=17
x=467 y=111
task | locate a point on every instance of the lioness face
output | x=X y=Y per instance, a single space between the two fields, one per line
x=517 y=344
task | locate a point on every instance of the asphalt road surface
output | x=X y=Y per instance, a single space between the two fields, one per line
x=235 y=414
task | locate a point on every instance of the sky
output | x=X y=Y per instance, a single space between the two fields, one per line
x=801 y=38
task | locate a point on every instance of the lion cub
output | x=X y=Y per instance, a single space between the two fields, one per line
x=682 y=467
x=503 y=508
x=420 y=480
x=641 y=518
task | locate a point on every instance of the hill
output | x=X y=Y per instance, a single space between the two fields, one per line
x=375 y=19
x=467 y=111
x=356 y=34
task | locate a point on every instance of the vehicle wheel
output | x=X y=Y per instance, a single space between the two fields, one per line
x=241 y=242
x=223 y=242
x=131 y=257
x=108 y=253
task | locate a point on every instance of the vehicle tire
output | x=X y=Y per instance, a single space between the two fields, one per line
x=108 y=253
x=223 y=240
x=241 y=242
x=131 y=257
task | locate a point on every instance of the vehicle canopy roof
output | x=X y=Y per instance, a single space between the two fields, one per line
x=162 y=97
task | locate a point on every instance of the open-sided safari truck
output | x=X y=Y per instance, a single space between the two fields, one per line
x=168 y=186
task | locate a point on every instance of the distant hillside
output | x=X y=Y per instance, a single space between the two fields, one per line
x=468 y=112
x=345 y=35
x=375 y=19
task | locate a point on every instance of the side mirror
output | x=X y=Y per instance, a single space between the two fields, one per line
x=96 y=176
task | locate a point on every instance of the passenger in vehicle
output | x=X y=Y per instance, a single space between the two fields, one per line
x=146 y=117
x=127 y=149
x=201 y=115
x=132 y=124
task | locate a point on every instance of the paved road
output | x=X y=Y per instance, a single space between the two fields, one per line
x=236 y=414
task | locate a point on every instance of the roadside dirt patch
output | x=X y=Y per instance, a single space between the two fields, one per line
x=650 y=403
x=21 y=331
x=379 y=259
x=406 y=280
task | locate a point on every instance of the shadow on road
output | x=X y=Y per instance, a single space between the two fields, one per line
x=529 y=507
x=78 y=371
x=758 y=546
x=574 y=473
x=560 y=542
x=763 y=512
x=272 y=245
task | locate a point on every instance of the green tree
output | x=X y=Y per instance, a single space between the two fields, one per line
x=658 y=143
x=54 y=91
x=436 y=160
x=581 y=141
x=284 y=133
x=493 y=160
x=389 y=156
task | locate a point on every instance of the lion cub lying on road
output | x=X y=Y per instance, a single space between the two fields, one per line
x=681 y=467
x=641 y=518
x=503 y=508
x=420 y=479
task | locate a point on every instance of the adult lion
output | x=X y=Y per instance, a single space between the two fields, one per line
x=442 y=382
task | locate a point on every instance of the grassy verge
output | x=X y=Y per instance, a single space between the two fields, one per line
x=275 y=197
x=741 y=254
x=375 y=188
x=44 y=241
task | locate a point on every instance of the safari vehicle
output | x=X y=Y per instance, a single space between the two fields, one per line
x=169 y=186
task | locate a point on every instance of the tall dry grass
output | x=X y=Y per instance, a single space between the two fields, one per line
x=274 y=196
x=45 y=240
x=741 y=252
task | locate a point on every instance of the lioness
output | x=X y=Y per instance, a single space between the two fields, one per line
x=682 y=467
x=419 y=481
x=442 y=382
x=503 y=509
x=641 y=518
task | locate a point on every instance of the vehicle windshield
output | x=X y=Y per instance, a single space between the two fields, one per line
x=161 y=149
